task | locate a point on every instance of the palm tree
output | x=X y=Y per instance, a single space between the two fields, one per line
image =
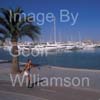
x=14 y=28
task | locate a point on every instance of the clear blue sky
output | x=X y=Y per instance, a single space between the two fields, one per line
x=88 y=22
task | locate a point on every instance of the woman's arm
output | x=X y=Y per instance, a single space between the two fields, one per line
x=25 y=67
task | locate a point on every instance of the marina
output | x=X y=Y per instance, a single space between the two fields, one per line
x=50 y=50
x=87 y=58
x=53 y=46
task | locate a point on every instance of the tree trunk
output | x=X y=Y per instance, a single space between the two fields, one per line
x=15 y=58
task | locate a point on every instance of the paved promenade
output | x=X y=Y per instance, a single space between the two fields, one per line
x=7 y=92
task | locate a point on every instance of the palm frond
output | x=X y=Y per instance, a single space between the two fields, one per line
x=31 y=27
x=4 y=23
x=5 y=33
x=24 y=21
x=31 y=35
x=18 y=11
x=14 y=28
x=31 y=31
x=6 y=13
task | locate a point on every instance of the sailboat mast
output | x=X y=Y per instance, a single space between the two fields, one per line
x=55 y=30
x=79 y=37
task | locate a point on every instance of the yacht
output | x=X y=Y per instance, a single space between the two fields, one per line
x=89 y=46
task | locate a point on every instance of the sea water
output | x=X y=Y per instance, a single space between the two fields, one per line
x=85 y=59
